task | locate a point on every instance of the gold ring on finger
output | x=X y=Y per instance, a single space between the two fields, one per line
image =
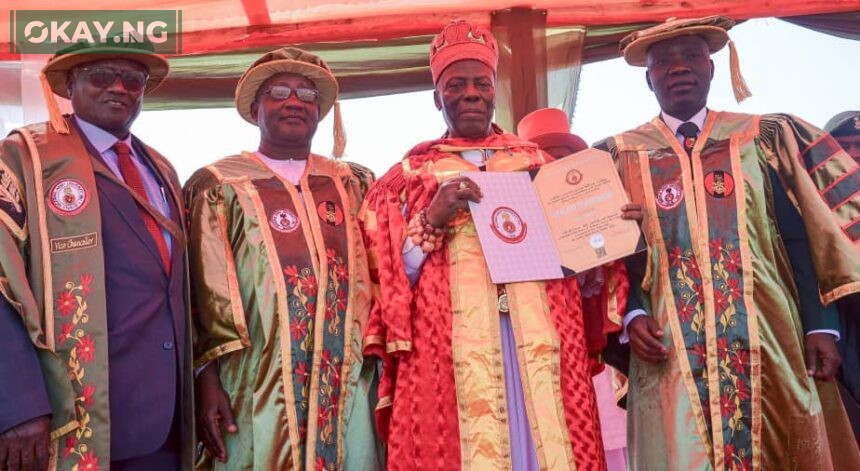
x=463 y=185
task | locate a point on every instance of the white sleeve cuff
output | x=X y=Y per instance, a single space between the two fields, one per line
x=624 y=338
x=834 y=333
x=200 y=370
x=413 y=260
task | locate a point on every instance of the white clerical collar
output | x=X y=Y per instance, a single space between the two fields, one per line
x=674 y=123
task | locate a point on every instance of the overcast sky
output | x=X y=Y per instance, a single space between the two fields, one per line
x=788 y=68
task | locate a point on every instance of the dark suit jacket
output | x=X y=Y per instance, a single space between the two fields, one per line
x=146 y=326
x=813 y=314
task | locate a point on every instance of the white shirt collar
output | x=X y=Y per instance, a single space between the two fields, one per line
x=289 y=169
x=100 y=139
x=476 y=156
x=299 y=163
x=674 y=123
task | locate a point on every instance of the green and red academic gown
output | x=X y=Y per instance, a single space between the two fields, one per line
x=734 y=393
x=280 y=298
x=442 y=395
x=52 y=272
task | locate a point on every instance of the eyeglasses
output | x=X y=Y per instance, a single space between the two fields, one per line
x=103 y=77
x=282 y=92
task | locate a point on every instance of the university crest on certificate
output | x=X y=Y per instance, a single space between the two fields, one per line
x=561 y=219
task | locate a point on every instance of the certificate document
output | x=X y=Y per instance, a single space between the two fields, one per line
x=561 y=219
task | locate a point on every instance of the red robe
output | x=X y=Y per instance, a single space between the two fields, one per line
x=442 y=395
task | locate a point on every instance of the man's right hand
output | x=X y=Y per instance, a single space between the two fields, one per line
x=452 y=196
x=645 y=337
x=26 y=446
x=213 y=412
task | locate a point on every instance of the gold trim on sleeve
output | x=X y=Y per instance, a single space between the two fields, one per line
x=219 y=351
x=398 y=346
x=38 y=183
x=236 y=305
x=840 y=292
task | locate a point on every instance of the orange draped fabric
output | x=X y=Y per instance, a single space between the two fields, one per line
x=411 y=329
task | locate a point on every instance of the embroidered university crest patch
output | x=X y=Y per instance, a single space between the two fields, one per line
x=68 y=197
x=719 y=184
x=330 y=212
x=284 y=220
x=670 y=195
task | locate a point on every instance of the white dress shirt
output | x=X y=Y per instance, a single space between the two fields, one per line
x=674 y=123
x=103 y=143
x=288 y=169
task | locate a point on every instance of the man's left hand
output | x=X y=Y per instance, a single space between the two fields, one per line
x=822 y=357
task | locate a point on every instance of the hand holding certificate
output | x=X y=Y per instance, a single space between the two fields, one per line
x=562 y=219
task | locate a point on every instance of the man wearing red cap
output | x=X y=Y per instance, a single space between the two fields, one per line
x=549 y=128
x=727 y=371
x=475 y=375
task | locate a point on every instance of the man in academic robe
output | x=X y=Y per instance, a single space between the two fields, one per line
x=845 y=128
x=549 y=128
x=280 y=286
x=725 y=373
x=97 y=349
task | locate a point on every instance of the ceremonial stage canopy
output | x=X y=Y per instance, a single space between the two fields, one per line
x=378 y=47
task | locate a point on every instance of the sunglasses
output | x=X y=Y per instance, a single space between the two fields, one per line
x=282 y=92
x=103 y=77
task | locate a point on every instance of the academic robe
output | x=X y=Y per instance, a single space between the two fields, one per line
x=106 y=320
x=280 y=298
x=734 y=393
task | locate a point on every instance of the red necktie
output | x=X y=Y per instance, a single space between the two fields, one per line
x=132 y=178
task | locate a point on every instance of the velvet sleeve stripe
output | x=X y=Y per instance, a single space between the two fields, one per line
x=843 y=189
x=820 y=152
x=853 y=230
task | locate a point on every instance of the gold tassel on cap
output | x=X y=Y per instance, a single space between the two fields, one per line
x=55 y=116
x=739 y=85
x=339 y=133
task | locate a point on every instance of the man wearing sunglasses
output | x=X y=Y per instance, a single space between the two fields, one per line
x=280 y=285
x=93 y=310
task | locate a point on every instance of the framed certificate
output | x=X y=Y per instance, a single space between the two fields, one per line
x=561 y=219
